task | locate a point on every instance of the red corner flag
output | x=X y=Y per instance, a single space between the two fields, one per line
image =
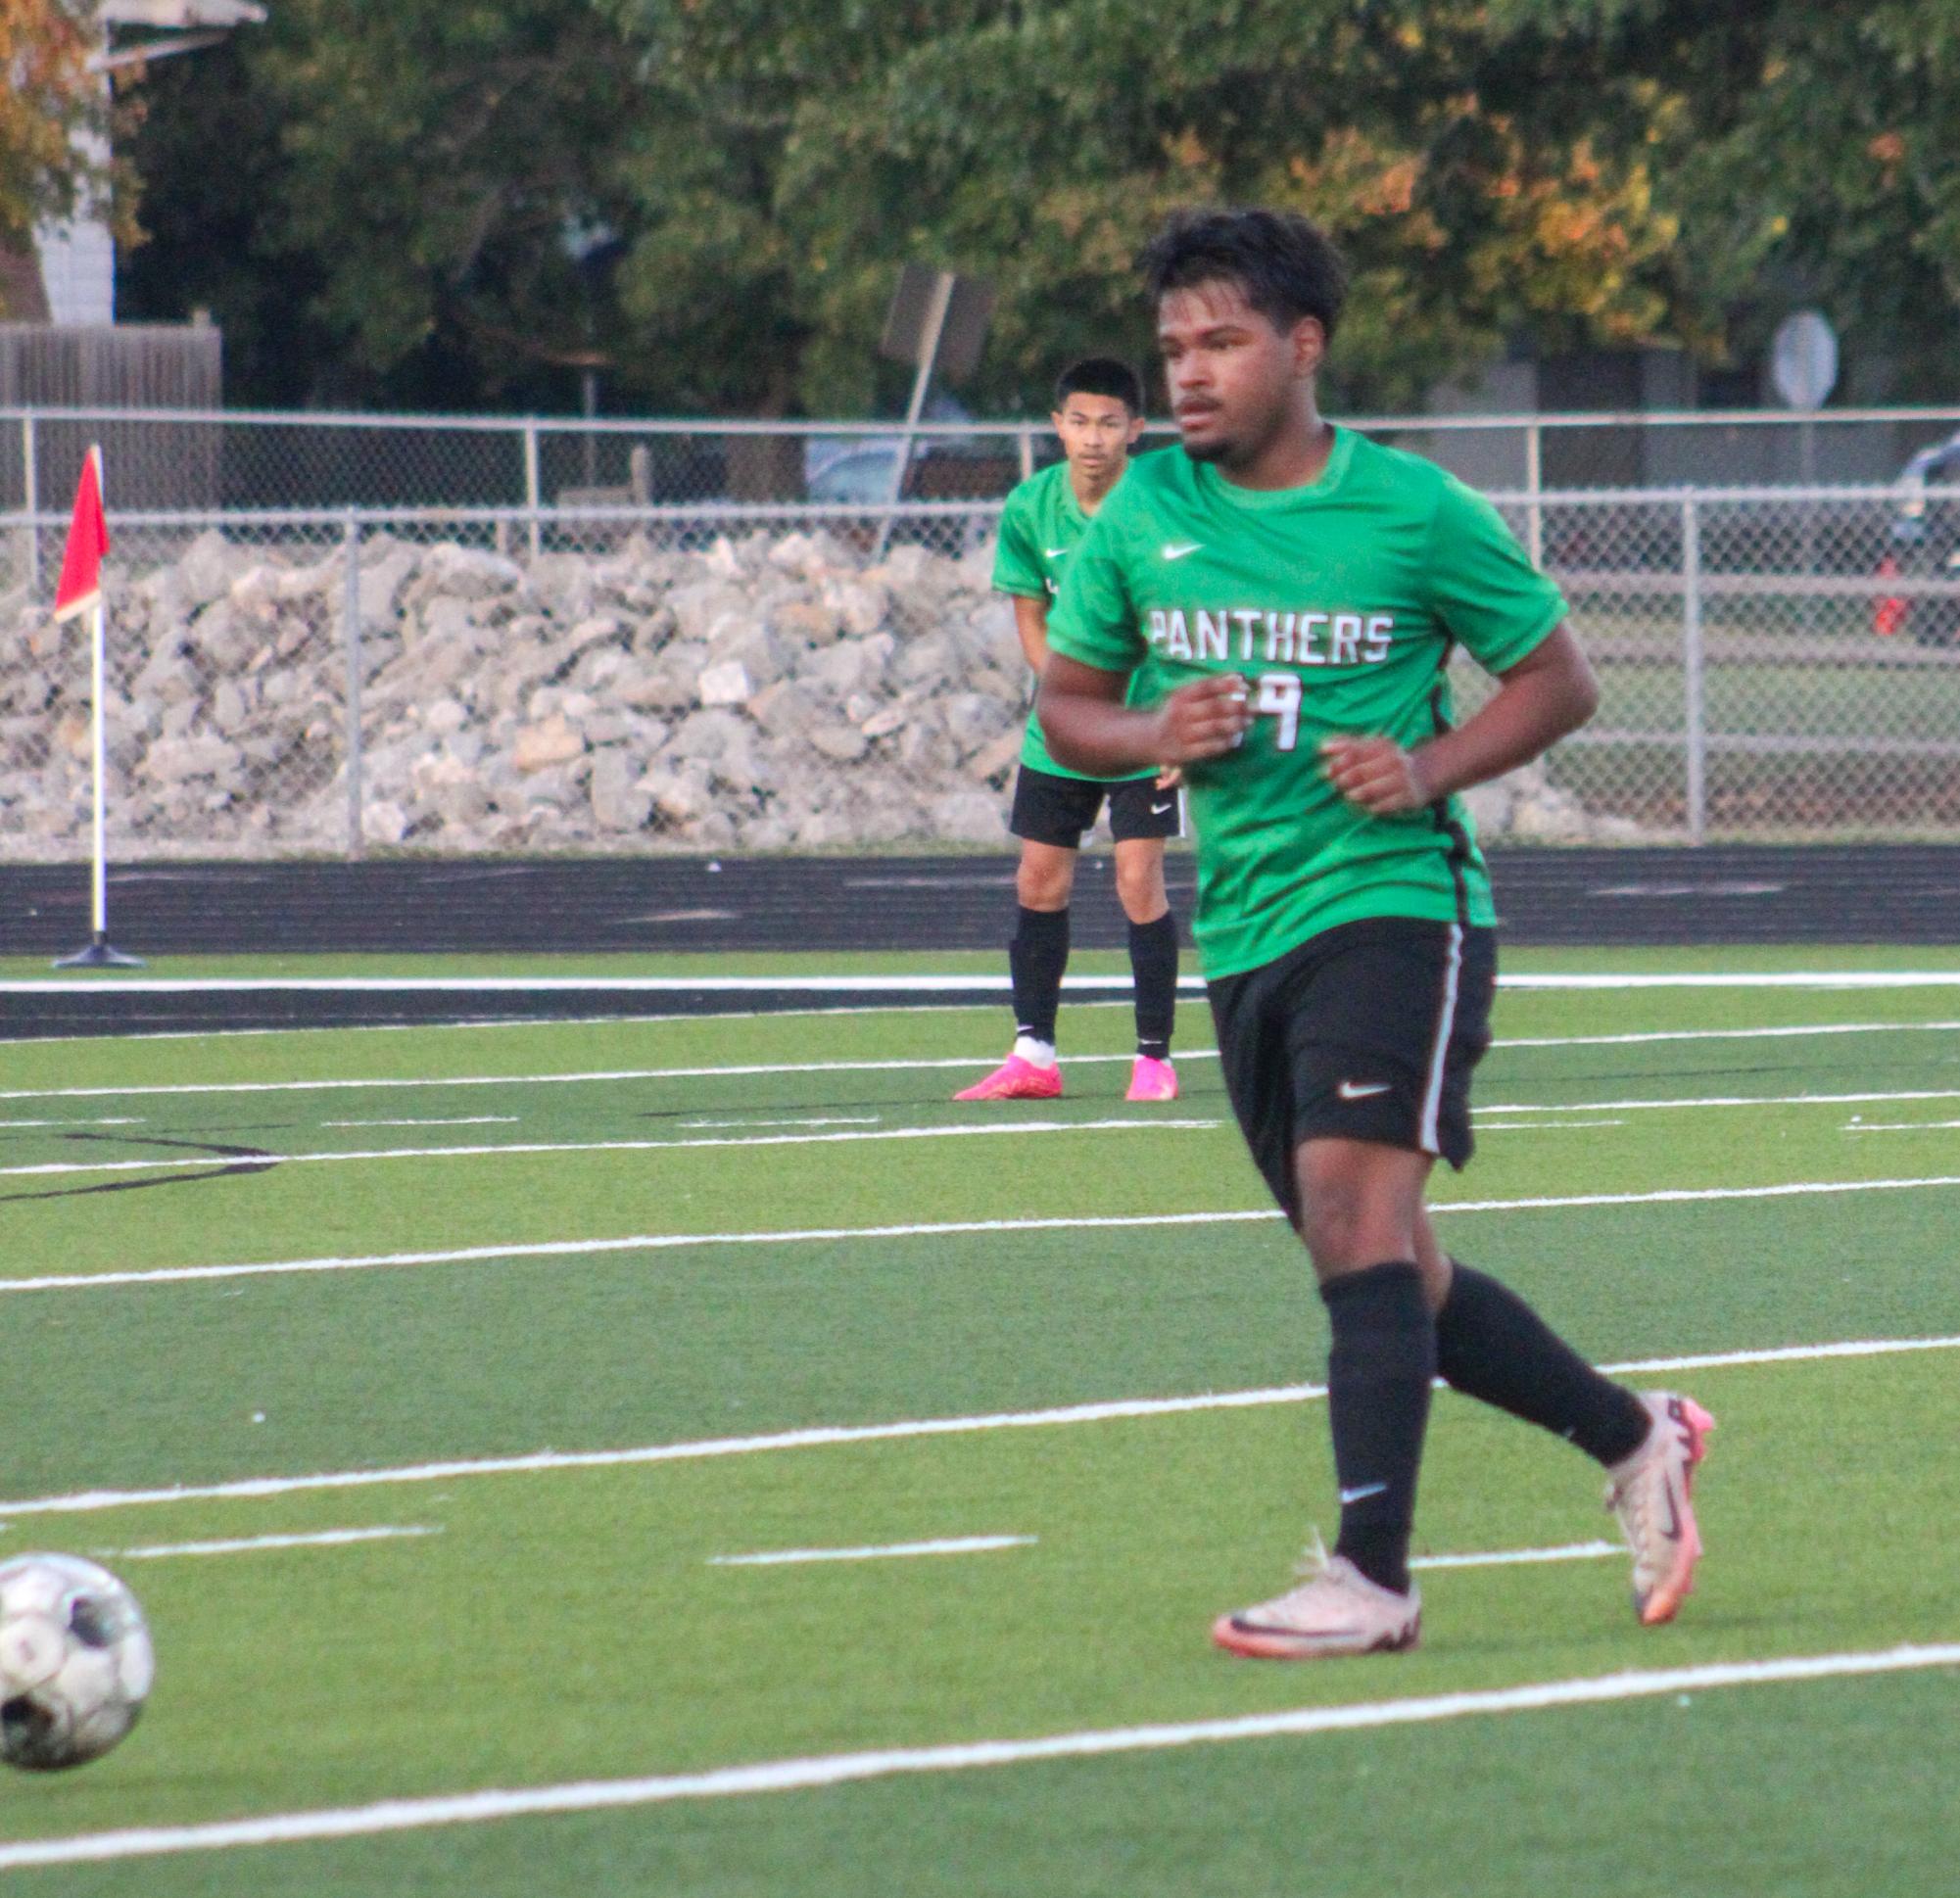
x=87 y=542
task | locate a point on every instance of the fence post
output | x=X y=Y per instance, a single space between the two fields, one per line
x=533 y=490
x=1692 y=670
x=1025 y=441
x=1534 y=485
x=30 y=499
x=350 y=639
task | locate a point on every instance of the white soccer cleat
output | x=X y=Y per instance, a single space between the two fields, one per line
x=1335 y=1610
x=1649 y=1494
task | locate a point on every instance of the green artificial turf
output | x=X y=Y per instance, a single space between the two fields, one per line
x=565 y=1624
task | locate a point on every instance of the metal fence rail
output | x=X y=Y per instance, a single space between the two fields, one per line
x=194 y=461
x=721 y=676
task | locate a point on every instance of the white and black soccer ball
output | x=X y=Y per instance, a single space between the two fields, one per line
x=76 y=1663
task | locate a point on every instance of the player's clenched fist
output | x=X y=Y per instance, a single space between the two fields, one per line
x=1205 y=719
x=1376 y=774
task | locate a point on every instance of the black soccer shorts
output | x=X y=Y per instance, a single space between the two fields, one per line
x=1368 y=1031
x=1049 y=808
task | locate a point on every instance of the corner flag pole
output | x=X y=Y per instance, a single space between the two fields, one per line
x=81 y=592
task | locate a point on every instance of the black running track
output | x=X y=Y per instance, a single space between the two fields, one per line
x=1904 y=894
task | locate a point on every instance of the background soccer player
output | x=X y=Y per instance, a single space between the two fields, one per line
x=1289 y=593
x=1098 y=417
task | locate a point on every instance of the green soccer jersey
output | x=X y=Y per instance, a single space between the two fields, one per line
x=1340 y=602
x=1040 y=527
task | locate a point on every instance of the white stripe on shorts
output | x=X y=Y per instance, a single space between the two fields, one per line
x=1439 y=1054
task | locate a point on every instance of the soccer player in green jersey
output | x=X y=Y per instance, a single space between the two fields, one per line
x=1098 y=417
x=1288 y=594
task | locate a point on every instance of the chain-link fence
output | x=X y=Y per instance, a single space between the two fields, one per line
x=1775 y=663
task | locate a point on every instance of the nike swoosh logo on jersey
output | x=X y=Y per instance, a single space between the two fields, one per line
x=1360 y=1090
x=1055 y=554
x=1177 y=550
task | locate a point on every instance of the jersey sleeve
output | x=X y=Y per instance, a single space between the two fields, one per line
x=1016 y=556
x=1491 y=599
x=1095 y=620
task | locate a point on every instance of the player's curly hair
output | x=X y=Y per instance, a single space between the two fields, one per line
x=1286 y=265
x=1101 y=375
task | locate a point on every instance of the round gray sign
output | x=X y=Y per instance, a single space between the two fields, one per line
x=1804 y=359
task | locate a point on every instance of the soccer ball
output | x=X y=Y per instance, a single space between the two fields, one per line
x=74 y=1661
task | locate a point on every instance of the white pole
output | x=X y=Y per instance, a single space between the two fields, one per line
x=1694 y=672
x=30 y=498
x=101 y=641
x=98 y=954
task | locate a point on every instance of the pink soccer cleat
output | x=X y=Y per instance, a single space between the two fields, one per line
x=1335 y=1610
x=1016 y=1080
x=1649 y=1494
x=1152 y=1080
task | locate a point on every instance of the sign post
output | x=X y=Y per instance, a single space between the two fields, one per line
x=937 y=321
x=1803 y=366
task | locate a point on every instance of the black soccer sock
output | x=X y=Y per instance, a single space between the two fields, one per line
x=1036 y=960
x=1153 y=965
x=1378 y=1376
x=1492 y=1346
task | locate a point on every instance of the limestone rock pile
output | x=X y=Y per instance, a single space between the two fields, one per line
x=771 y=693
x=777 y=692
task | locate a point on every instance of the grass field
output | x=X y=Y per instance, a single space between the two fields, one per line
x=541 y=1324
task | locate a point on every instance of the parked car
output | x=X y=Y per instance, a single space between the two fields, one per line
x=1925 y=544
x=858 y=471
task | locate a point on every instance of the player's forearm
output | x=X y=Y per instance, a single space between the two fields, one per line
x=1089 y=729
x=1533 y=708
x=1093 y=735
x=1030 y=623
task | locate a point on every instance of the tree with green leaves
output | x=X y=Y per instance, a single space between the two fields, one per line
x=1807 y=152
x=463 y=205
x=419 y=200
x=1041 y=145
x=50 y=102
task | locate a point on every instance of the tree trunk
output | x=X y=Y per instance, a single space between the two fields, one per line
x=768 y=467
x=24 y=297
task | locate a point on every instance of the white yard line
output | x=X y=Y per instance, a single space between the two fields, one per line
x=1722 y=1101
x=741 y=1069
x=913 y=984
x=1512 y=1557
x=978 y=1544
x=799 y=1120
x=1899 y=1126
x=1797 y=1032
x=1827 y=979
x=829 y=1435
x=950 y=1228
x=1541 y=1127
x=873 y=1553
x=66 y=1168
x=595 y=1076
x=254 y=1545
x=501 y=1024
x=467 y=1121
x=844 y=1769
x=119 y=1121
x=62 y=1168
